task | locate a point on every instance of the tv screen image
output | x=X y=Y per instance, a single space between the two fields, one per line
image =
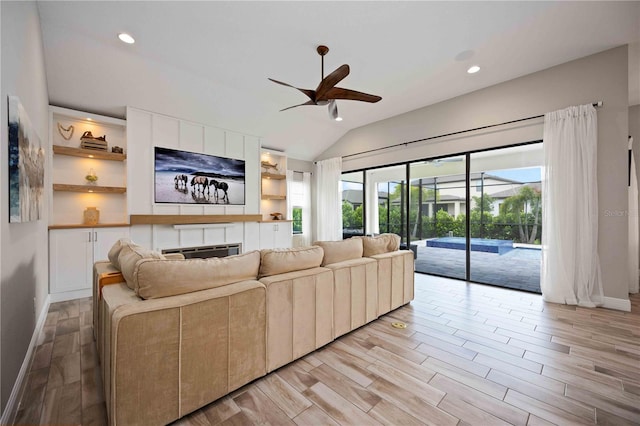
x=183 y=177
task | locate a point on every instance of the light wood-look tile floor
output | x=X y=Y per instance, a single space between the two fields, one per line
x=471 y=355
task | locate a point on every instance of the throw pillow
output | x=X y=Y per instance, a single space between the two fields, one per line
x=129 y=256
x=115 y=251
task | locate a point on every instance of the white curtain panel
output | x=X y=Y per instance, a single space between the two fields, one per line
x=328 y=204
x=289 y=175
x=634 y=233
x=306 y=209
x=570 y=265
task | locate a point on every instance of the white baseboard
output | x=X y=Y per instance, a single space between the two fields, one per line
x=11 y=408
x=69 y=295
x=617 y=304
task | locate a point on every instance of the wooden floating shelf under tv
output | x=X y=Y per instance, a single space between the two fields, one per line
x=273 y=197
x=273 y=176
x=89 y=188
x=176 y=219
x=88 y=153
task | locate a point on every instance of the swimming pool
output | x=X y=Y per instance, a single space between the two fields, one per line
x=477 y=244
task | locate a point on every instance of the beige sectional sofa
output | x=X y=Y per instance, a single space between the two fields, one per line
x=176 y=334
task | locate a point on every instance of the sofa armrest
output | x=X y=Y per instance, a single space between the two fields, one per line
x=99 y=268
x=175 y=354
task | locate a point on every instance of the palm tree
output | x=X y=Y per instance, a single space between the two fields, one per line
x=524 y=206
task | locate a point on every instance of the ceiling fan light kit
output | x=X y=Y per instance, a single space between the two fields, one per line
x=327 y=93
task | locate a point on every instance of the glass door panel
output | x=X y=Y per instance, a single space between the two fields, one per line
x=386 y=201
x=437 y=222
x=506 y=214
x=352 y=191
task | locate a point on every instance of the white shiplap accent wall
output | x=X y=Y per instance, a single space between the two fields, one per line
x=145 y=130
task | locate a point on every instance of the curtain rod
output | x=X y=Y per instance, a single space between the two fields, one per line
x=595 y=104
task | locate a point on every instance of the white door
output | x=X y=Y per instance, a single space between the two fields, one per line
x=70 y=259
x=104 y=239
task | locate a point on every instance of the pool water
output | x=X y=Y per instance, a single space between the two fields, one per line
x=477 y=244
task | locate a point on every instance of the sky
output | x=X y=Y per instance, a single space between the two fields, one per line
x=521 y=175
x=190 y=162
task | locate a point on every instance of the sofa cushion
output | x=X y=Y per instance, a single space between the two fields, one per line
x=383 y=243
x=153 y=278
x=129 y=256
x=339 y=251
x=115 y=251
x=280 y=261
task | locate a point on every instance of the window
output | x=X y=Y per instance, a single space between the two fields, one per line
x=297 y=219
x=299 y=207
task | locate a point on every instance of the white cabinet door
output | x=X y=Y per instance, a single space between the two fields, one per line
x=104 y=239
x=275 y=235
x=267 y=237
x=283 y=234
x=70 y=259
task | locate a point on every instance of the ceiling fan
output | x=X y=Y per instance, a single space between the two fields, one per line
x=326 y=93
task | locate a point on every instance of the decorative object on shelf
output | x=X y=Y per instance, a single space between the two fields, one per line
x=117 y=150
x=91 y=216
x=267 y=166
x=26 y=166
x=64 y=132
x=90 y=142
x=276 y=216
x=91 y=177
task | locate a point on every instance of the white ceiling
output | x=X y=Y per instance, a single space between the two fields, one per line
x=209 y=61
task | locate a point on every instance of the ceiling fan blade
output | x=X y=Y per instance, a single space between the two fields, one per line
x=351 y=95
x=330 y=81
x=333 y=109
x=311 y=94
x=306 y=103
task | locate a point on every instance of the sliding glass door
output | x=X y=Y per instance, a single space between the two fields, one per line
x=506 y=217
x=352 y=188
x=386 y=201
x=437 y=223
x=474 y=216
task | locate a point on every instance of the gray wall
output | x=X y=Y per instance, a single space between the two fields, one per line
x=299 y=165
x=600 y=77
x=24 y=252
x=634 y=130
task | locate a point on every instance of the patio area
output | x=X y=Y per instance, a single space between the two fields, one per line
x=517 y=269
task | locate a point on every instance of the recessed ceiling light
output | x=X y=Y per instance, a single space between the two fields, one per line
x=126 y=38
x=338 y=118
x=474 y=69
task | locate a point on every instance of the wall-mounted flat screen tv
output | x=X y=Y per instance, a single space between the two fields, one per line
x=183 y=177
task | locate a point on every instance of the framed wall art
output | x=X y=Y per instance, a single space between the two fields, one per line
x=26 y=166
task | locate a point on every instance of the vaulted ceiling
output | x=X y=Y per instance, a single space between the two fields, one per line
x=209 y=61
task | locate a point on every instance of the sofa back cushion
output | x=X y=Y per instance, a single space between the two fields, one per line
x=339 y=251
x=115 y=251
x=280 y=261
x=153 y=278
x=129 y=256
x=383 y=243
